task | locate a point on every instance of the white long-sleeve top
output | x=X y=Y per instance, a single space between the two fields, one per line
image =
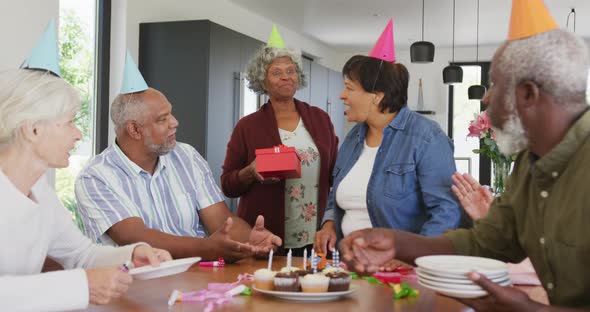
x=32 y=228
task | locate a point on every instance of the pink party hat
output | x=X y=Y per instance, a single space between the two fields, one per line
x=383 y=49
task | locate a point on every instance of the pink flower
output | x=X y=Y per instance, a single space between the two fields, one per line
x=308 y=211
x=302 y=236
x=296 y=192
x=479 y=126
x=305 y=157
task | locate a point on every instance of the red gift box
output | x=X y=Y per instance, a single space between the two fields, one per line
x=278 y=162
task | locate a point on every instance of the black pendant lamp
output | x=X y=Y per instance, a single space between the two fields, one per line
x=476 y=92
x=453 y=73
x=422 y=51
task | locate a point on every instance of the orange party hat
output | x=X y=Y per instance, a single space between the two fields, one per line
x=529 y=17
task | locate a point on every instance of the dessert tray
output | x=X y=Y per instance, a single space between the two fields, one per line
x=308 y=296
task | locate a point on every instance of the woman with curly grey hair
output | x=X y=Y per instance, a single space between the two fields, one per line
x=294 y=207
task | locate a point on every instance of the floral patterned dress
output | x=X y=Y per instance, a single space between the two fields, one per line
x=301 y=195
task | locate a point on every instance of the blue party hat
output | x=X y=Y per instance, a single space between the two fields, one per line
x=132 y=79
x=45 y=55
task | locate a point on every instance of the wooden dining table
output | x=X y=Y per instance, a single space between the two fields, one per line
x=152 y=295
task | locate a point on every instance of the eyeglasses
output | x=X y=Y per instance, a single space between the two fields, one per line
x=278 y=73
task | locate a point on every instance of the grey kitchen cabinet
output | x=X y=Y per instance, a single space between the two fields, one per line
x=335 y=104
x=319 y=86
x=304 y=93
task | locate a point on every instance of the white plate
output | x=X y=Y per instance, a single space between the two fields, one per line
x=303 y=296
x=462 y=265
x=456 y=286
x=456 y=293
x=165 y=268
x=459 y=275
x=456 y=280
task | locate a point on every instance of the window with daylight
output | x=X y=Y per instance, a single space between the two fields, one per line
x=77 y=33
x=462 y=111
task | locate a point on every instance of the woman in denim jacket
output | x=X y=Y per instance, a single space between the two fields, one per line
x=394 y=167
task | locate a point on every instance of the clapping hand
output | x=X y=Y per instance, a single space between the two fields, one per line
x=475 y=198
x=366 y=251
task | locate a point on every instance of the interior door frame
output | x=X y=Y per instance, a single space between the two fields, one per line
x=485 y=164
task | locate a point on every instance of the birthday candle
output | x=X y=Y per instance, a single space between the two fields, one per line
x=334 y=257
x=305 y=259
x=270 y=259
x=314 y=265
x=289 y=257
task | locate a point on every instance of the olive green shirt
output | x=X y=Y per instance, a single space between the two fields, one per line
x=543 y=214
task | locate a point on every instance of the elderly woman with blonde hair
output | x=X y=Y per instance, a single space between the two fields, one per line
x=37 y=132
x=292 y=207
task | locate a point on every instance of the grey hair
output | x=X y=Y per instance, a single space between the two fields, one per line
x=557 y=61
x=256 y=71
x=127 y=107
x=34 y=96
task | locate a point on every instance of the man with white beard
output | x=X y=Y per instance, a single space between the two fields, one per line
x=537 y=106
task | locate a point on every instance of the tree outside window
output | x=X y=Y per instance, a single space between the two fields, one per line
x=77 y=51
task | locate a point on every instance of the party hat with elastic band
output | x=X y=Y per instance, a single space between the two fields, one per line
x=275 y=40
x=384 y=48
x=45 y=54
x=132 y=79
x=529 y=17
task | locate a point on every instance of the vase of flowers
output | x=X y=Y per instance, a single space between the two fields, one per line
x=501 y=164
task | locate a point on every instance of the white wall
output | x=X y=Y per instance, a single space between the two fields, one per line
x=222 y=12
x=117 y=60
x=21 y=25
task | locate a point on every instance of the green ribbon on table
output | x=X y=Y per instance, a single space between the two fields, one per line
x=403 y=291
x=246 y=292
x=373 y=280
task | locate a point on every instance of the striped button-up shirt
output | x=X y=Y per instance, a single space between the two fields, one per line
x=112 y=188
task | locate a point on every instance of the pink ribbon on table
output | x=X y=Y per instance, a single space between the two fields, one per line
x=228 y=286
x=216 y=294
x=212 y=299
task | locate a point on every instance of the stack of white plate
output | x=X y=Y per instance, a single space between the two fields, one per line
x=447 y=275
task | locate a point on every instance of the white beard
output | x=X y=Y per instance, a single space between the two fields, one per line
x=512 y=139
x=160 y=150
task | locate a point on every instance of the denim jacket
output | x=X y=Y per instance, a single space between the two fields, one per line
x=410 y=185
